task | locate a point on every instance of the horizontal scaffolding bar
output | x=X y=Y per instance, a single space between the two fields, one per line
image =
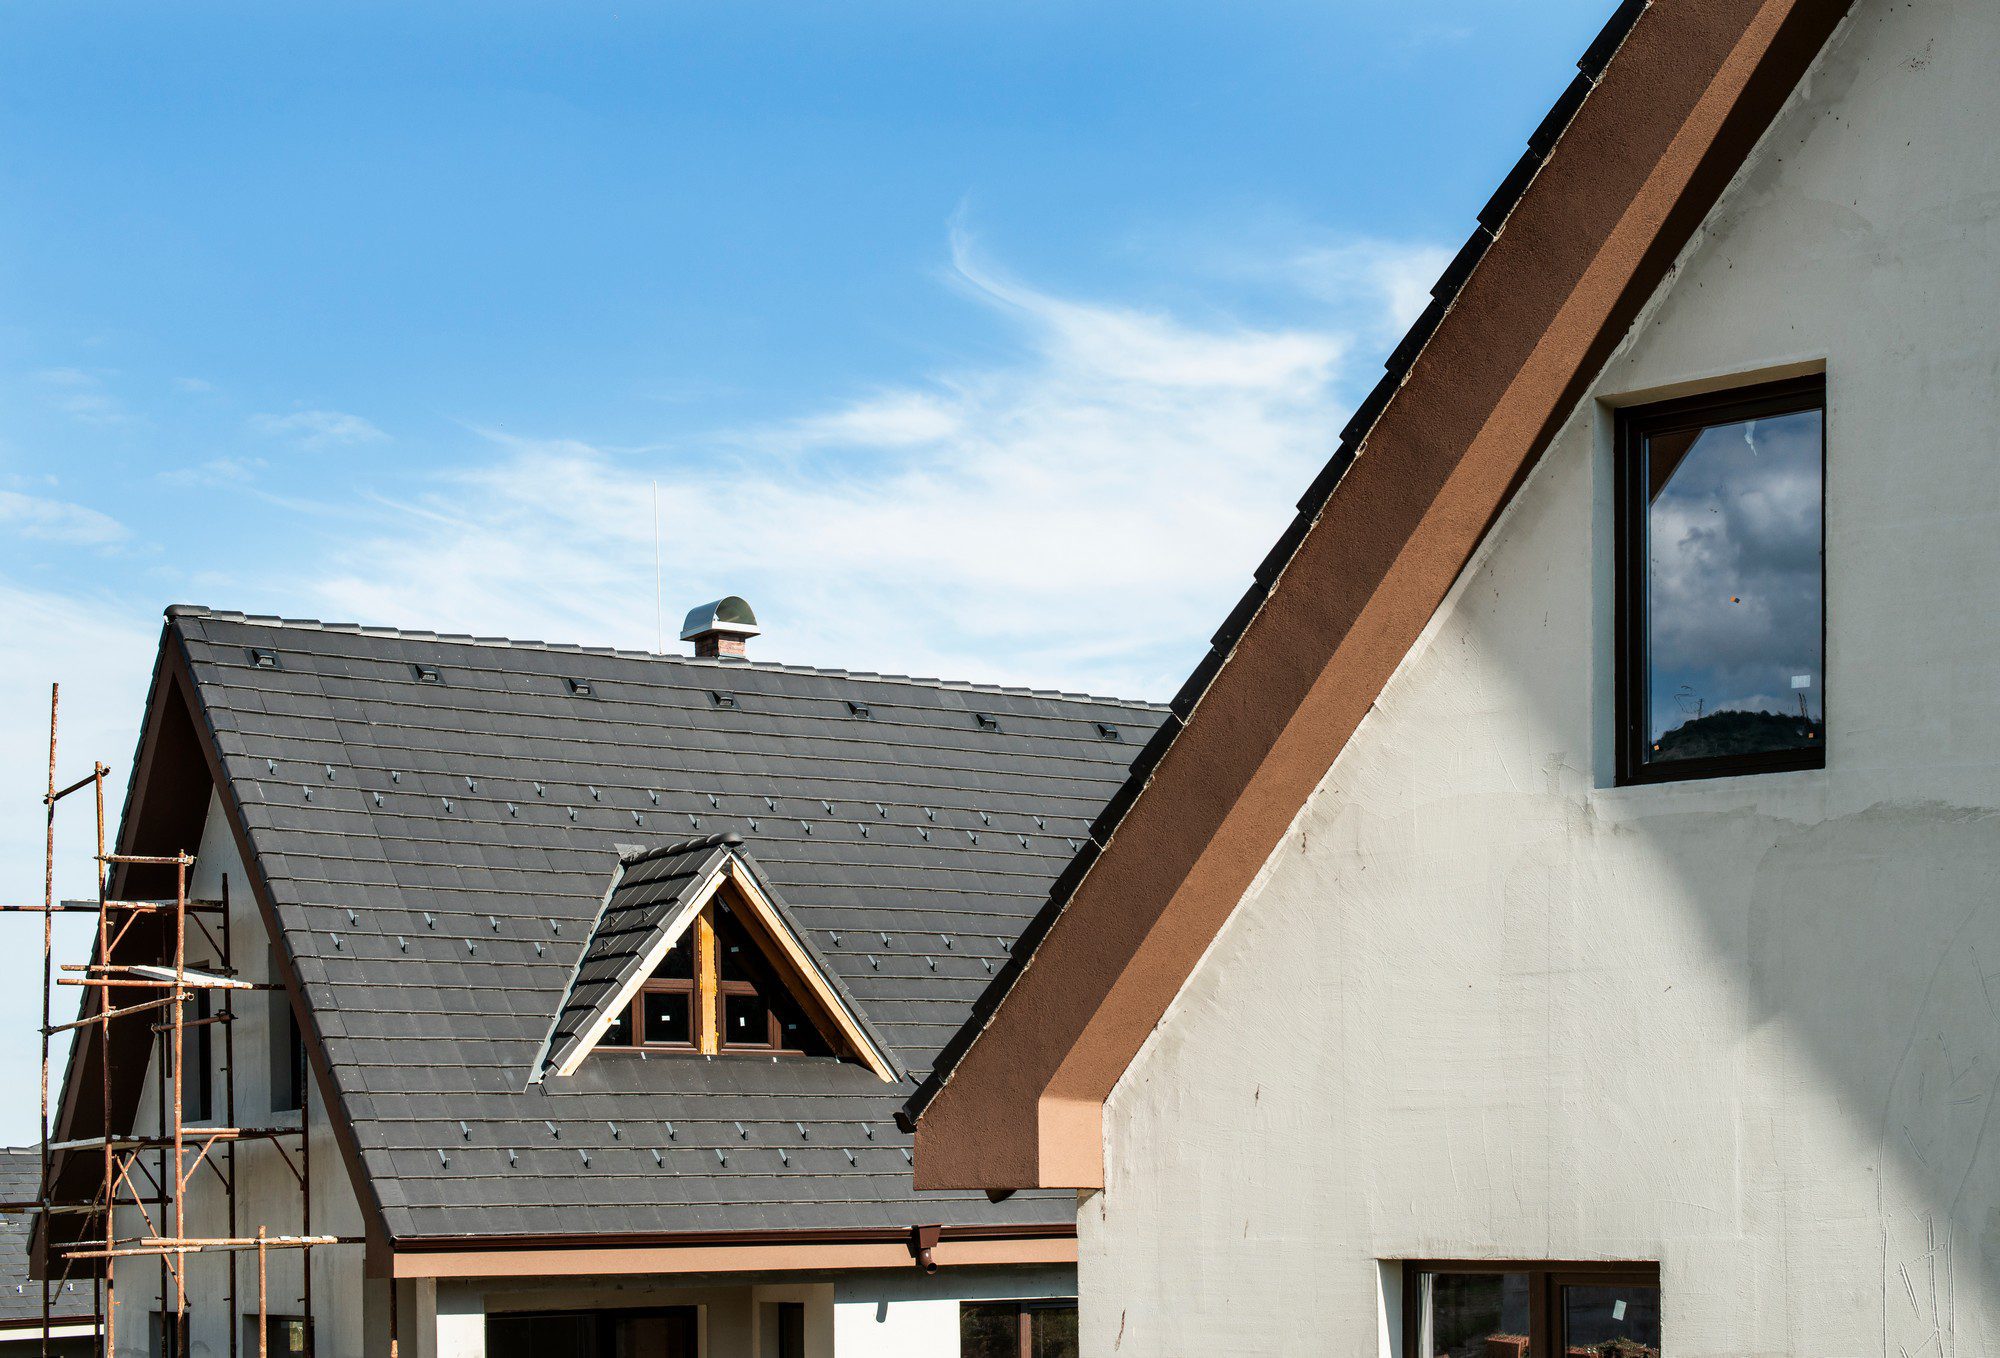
x=52 y=798
x=194 y=1134
x=109 y=1015
x=175 y=860
x=162 y=1245
x=164 y=976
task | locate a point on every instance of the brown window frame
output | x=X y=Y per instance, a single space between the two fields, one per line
x=1635 y=424
x=707 y=995
x=1024 y=1314
x=1546 y=1283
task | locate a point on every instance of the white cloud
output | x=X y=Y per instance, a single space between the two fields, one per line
x=82 y=395
x=41 y=519
x=1376 y=283
x=1080 y=515
x=314 y=430
x=102 y=656
x=217 y=471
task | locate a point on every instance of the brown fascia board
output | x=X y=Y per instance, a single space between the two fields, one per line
x=725 y=1252
x=181 y=673
x=1017 y=1100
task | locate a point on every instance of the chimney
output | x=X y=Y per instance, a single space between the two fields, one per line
x=721 y=628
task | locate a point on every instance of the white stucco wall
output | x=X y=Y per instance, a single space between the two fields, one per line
x=1484 y=1004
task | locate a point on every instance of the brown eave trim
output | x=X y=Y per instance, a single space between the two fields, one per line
x=724 y=1251
x=1674 y=115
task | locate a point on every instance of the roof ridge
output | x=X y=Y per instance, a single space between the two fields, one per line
x=174 y=611
x=728 y=839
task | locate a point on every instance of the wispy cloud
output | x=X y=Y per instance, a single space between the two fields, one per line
x=102 y=655
x=1080 y=514
x=41 y=519
x=315 y=430
x=83 y=395
x=217 y=471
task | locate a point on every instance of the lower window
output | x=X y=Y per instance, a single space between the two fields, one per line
x=1453 y=1310
x=284 y=1337
x=1017 y=1329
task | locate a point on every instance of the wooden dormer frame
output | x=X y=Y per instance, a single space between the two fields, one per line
x=798 y=970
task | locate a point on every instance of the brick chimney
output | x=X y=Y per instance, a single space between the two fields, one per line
x=722 y=628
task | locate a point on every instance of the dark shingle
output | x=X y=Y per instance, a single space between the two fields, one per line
x=470 y=919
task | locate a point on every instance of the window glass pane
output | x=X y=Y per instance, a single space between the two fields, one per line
x=1612 y=1322
x=1733 y=595
x=1474 y=1315
x=1052 y=1332
x=619 y=1034
x=679 y=962
x=668 y=1016
x=794 y=1032
x=745 y=1021
x=989 y=1330
x=735 y=955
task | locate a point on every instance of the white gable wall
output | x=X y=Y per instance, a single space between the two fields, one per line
x=1484 y=1004
x=267 y=1191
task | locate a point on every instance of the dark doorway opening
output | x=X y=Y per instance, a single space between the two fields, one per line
x=666 y=1332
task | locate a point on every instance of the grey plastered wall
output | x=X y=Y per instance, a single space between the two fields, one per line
x=1481 y=1003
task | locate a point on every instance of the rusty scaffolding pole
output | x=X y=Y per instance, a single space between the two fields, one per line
x=114 y=990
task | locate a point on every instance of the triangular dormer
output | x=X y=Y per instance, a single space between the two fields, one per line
x=694 y=952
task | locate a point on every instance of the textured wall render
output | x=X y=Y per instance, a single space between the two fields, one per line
x=1483 y=1003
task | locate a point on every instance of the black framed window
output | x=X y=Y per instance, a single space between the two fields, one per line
x=1721 y=584
x=166 y=1334
x=198 y=1058
x=1518 y=1310
x=1017 y=1329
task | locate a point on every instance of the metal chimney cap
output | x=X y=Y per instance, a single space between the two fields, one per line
x=727 y=616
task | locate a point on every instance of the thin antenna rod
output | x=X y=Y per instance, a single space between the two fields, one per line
x=659 y=608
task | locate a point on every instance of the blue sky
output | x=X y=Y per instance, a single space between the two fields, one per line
x=992 y=341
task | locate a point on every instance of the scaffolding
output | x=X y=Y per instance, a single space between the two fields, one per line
x=155 y=1194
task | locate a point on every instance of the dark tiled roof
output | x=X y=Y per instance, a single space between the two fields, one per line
x=1353 y=437
x=438 y=849
x=20 y=1295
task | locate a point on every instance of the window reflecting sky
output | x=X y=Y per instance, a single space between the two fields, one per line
x=1734 y=584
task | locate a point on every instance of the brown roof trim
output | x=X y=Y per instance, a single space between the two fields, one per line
x=1582 y=232
x=724 y=1251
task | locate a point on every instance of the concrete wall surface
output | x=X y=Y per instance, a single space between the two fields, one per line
x=1483 y=1003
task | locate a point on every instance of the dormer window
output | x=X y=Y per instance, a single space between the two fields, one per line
x=715 y=991
x=694 y=952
